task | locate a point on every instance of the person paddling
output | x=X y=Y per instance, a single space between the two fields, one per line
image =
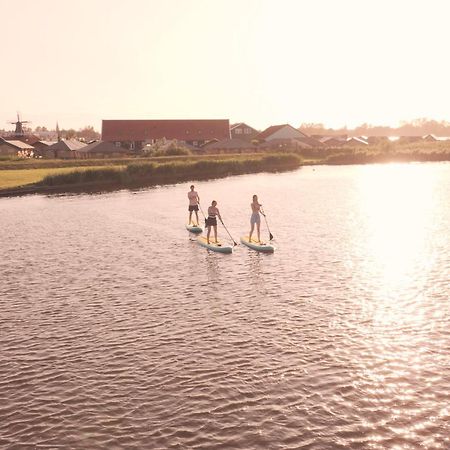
x=255 y=218
x=211 y=221
x=194 y=201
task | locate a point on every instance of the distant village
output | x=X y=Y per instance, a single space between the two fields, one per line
x=125 y=138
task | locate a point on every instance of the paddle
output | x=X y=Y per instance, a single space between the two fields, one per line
x=265 y=218
x=203 y=214
x=221 y=221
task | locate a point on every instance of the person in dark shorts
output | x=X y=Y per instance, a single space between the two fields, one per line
x=211 y=221
x=194 y=200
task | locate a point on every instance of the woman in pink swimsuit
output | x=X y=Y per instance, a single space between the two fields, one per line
x=255 y=218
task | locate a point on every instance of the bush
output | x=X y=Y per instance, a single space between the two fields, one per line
x=163 y=148
x=83 y=176
x=140 y=169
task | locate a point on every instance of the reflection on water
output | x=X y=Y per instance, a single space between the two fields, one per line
x=118 y=331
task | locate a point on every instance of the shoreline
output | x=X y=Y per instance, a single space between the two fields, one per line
x=92 y=187
x=148 y=174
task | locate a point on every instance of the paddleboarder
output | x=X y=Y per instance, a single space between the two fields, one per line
x=194 y=201
x=255 y=218
x=211 y=221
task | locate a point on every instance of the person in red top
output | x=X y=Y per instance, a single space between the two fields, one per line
x=194 y=201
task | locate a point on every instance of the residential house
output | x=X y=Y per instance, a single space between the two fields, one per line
x=284 y=131
x=100 y=149
x=243 y=131
x=356 y=142
x=15 y=148
x=65 y=149
x=332 y=141
x=309 y=142
x=134 y=134
x=286 y=137
x=29 y=139
x=41 y=148
x=430 y=138
x=229 y=146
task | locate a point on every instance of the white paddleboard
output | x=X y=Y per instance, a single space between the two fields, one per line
x=194 y=228
x=215 y=247
x=258 y=246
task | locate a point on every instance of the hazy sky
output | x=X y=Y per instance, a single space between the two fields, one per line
x=264 y=62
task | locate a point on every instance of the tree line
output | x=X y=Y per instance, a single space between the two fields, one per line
x=87 y=133
x=417 y=127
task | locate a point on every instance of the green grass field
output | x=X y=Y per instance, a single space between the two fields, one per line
x=15 y=173
x=16 y=178
x=19 y=164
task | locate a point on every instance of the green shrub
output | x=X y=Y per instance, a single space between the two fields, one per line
x=140 y=170
x=174 y=171
x=83 y=176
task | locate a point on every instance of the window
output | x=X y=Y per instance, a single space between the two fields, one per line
x=247 y=131
x=237 y=131
x=117 y=144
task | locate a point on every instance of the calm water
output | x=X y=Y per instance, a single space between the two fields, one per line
x=117 y=331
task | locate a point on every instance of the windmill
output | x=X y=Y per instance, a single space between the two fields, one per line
x=19 y=126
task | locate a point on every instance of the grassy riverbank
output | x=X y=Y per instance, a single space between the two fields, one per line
x=14 y=163
x=144 y=172
x=34 y=175
x=18 y=178
x=174 y=171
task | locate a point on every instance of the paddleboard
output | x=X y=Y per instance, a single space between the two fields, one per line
x=258 y=246
x=223 y=248
x=194 y=228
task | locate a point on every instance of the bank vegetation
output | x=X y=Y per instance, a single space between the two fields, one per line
x=147 y=173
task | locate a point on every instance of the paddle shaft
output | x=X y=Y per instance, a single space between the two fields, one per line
x=234 y=242
x=265 y=218
x=201 y=209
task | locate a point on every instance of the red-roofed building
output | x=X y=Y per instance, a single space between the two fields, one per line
x=134 y=134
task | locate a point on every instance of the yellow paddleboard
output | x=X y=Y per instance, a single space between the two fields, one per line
x=258 y=246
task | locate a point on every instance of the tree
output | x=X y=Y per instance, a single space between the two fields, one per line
x=88 y=133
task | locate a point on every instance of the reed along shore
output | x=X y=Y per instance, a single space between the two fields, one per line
x=143 y=174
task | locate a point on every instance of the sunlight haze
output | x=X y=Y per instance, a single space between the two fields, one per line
x=262 y=62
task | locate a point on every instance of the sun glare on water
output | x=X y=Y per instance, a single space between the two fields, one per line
x=397 y=201
x=398 y=212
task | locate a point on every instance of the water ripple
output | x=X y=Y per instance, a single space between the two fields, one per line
x=117 y=331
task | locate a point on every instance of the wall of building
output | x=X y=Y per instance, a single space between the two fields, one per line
x=243 y=132
x=6 y=149
x=285 y=133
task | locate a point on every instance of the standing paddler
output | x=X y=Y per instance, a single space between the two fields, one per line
x=211 y=221
x=194 y=201
x=255 y=218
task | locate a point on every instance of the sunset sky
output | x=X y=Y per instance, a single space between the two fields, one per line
x=264 y=62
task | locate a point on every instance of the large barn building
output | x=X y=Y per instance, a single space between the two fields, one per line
x=134 y=134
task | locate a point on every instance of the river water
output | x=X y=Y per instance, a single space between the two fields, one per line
x=118 y=331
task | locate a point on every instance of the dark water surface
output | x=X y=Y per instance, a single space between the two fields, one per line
x=117 y=331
